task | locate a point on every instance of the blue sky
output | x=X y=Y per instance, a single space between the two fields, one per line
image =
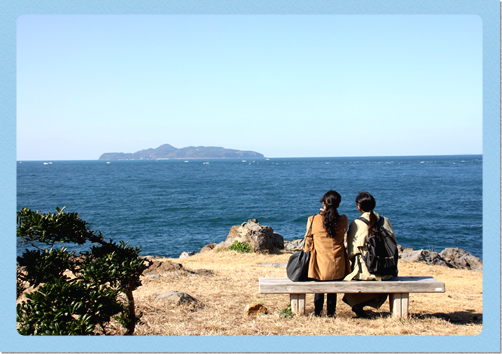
x=282 y=85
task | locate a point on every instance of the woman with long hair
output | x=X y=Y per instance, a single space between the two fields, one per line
x=328 y=259
x=357 y=248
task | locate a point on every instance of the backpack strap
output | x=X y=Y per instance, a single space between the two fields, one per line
x=363 y=220
x=381 y=220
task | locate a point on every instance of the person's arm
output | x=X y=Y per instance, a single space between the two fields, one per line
x=352 y=250
x=388 y=227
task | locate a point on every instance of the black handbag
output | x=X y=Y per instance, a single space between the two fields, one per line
x=298 y=264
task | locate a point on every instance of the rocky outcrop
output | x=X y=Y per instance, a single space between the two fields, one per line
x=429 y=257
x=262 y=239
x=158 y=269
x=449 y=257
x=294 y=245
x=278 y=241
x=458 y=258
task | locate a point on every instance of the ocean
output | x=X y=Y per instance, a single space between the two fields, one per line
x=171 y=206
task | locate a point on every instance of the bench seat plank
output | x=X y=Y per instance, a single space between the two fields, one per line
x=395 y=285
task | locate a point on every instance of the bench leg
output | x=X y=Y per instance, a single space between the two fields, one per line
x=399 y=304
x=297 y=303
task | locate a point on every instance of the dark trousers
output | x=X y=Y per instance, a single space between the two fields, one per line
x=330 y=306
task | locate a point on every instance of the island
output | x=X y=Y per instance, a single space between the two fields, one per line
x=167 y=151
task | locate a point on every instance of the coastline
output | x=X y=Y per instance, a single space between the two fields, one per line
x=263 y=240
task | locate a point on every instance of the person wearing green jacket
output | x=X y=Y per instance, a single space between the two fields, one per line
x=357 y=248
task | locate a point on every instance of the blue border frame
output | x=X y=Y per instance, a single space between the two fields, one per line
x=487 y=341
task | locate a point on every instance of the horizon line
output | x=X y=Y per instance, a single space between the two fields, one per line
x=258 y=158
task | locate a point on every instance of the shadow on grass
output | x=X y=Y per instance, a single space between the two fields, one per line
x=458 y=317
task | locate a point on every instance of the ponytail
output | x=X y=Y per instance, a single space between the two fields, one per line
x=330 y=214
x=373 y=223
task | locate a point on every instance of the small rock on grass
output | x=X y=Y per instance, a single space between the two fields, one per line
x=254 y=309
x=153 y=276
x=157 y=267
x=207 y=248
x=186 y=254
x=177 y=298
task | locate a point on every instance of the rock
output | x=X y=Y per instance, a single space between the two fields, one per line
x=429 y=257
x=221 y=245
x=278 y=241
x=434 y=258
x=186 y=254
x=261 y=238
x=294 y=245
x=158 y=267
x=402 y=249
x=207 y=248
x=236 y=233
x=414 y=256
x=154 y=276
x=177 y=297
x=254 y=309
x=449 y=257
x=253 y=225
x=458 y=258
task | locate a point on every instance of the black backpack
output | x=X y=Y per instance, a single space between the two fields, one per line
x=382 y=253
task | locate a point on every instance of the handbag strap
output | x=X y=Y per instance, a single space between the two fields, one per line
x=310 y=228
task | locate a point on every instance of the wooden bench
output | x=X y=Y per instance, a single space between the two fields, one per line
x=398 y=288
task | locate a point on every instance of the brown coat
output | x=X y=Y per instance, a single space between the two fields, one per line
x=328 y=258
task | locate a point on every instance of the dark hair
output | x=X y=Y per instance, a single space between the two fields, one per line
x=367 y=203
x=332 y=200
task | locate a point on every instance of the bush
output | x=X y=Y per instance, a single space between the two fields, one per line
x=74 y=294
x=286 y=312
x=240 y=247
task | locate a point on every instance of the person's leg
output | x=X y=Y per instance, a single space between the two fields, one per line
x=331 y=304
x=318 y=303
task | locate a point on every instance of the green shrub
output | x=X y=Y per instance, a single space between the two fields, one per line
x=74 y=295
x=286 y=312
x=240 y=247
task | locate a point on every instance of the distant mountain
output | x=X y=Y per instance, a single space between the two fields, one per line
x=167 y=151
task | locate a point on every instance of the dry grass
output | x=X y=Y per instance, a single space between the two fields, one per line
x=224 y=295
